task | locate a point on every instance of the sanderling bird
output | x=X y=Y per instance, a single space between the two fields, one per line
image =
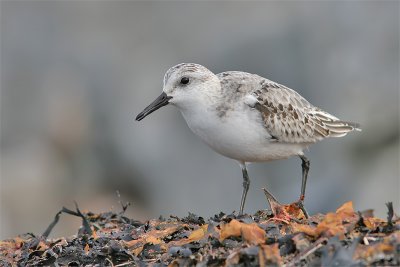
x=246 y=117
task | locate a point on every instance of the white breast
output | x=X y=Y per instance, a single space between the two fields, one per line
x=239 y=134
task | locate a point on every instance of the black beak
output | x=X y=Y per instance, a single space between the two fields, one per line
x=160 y=101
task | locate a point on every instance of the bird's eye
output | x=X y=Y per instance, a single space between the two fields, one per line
x=185 y=80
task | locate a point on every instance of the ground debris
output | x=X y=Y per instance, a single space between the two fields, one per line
x=341 y=238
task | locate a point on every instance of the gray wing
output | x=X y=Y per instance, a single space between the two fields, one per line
x=289 y=117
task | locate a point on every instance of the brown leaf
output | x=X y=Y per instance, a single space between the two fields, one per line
x=331 y=226
x=199 y=233
x=233 y=228
x=132 y=243
x=346 y=208
x=284 y=213
x=94 y=234
x=154 y=237
x=304 y=228
x=279 y=210
x=332 y=223
x=372 y=223
x=346 y=212
x=253 y=234
x=194 y=236
x=42 y=246
x=294 y=211
x=137 y=251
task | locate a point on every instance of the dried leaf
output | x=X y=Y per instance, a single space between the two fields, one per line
x=253 y=234
x=372 y=223
x=294 y=211
x=42 y=246
x=233 y=228
x=94 y=234
x=6 y=244
x=284 y=213
x=346 y=211
x=304 y=228
x=137 y=251
x=194 y=236
x=132 y=243
x=163 y=233
x=199 y=233
x=331 y=226
x=366 y=252
x=332 y=223
x=152 y=239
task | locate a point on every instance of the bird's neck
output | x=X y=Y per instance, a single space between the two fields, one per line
x=199 y=111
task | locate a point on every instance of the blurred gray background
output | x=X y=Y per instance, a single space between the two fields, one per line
x=74 y=74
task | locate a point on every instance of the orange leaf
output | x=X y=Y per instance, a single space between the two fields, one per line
x=94 y=234
x=194 y=236
x=137 y=251
x=372 y=223
x=132 y=243
x=199 y=233
x=307 y=229
x=42 y=246
x=346 y=210
x=152 y=239
x=294 y=211
x=233 y=228
x=86 y=249
x=332 y=223
x=331 y=226
x=253 y=234
x=163 y=233
x=250 y=233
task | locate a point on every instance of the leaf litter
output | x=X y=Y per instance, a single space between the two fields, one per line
x=281 y=237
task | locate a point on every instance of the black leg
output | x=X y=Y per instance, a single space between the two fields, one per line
x=305 y=165
x=246 y=185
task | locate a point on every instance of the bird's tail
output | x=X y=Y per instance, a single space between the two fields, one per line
x=335 y=126
x=341 y=128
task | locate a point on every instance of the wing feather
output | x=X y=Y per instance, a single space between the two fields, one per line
x=289 y=117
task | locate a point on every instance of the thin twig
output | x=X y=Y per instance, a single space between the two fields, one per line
x=124 y=264
x=112 y=264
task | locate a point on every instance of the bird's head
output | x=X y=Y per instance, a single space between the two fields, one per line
x=185 y=86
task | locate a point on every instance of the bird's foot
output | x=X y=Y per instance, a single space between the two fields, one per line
x=300 y=204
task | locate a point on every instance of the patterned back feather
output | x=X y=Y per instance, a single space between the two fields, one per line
x=291 y=118
x=288 y=117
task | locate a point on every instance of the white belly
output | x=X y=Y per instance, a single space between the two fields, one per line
x=240 y=136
